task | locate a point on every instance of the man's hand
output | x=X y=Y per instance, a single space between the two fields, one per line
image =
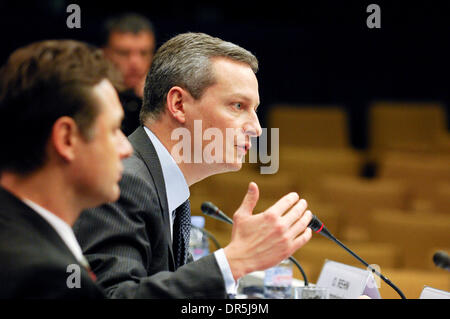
x=263 y=240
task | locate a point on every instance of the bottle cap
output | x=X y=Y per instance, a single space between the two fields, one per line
x=198 y=221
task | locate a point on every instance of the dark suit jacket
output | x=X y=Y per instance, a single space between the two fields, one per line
x=128 y=244
x=131 y=107
x=34 y=258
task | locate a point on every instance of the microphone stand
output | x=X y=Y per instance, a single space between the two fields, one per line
x=320 y=228
x=209 y=235
x=301 y=270
x=210 y=209
x=316 y=225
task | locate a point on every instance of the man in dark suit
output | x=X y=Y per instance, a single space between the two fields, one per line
x=64 y=156
x=138 y=246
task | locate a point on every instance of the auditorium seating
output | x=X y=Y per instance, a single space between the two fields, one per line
x=310 y=126
x=314 y=142
x=308 y=166
x=396 y=219
x=313 y=255
x=415 y=234
x=440 y=200
x=357 y=197
x=407 y=126
x=411 y=282
x=423 y=174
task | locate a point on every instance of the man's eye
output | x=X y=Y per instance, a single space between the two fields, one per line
x=238 y=105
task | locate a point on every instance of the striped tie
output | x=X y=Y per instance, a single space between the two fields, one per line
x=181 y=233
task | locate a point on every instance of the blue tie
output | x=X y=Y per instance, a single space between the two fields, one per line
x=181 y=233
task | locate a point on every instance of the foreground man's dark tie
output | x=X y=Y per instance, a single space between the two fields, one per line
x=181 y=233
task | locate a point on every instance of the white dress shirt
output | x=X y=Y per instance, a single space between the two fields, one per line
x=62 y=228
x=177 y=191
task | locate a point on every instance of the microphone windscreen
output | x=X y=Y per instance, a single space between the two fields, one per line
x=212 y=210
x=315 y=224
x=441 y=259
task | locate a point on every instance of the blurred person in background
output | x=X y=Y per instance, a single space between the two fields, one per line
x=129 y=42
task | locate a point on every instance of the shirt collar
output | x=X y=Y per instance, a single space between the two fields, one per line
x=61 y=227
x=177 y=189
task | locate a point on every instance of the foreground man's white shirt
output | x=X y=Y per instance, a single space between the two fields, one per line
x=62 y=228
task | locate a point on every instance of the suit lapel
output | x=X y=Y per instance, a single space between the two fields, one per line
x=20 y=213
x=17 y=213
x=144 y=148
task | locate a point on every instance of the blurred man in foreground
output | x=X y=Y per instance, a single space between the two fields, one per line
x=64 y=156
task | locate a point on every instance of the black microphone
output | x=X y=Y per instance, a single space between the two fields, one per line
x=317 y=226
x=442 y=260
x=212 y=210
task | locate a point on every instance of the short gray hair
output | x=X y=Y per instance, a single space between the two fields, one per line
x=185 y=61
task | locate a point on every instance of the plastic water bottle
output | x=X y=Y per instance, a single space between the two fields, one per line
x=278 y=281
x=198 y=243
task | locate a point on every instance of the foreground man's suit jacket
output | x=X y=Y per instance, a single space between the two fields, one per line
x=128 y=243
x=34 y=259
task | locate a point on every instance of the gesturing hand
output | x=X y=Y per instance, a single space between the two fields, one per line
x=263 y=240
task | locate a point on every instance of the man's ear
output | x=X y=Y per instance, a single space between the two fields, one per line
x=64 y=137
x=177 y=98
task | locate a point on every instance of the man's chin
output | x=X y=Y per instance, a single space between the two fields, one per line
x=234 y=166
x=132 y=83
x=112 y=196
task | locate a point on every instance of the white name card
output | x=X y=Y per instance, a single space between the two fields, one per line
x=433 y=293
x=347 y=282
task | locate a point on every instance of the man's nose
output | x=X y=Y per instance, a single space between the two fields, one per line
x=135 y=59
x=125 y=148
x=253 y=127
